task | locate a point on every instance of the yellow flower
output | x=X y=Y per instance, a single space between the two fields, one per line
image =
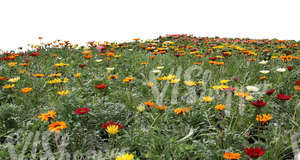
x=220 y=107
x=207 y=99
x=200 y=82
x=21 y=71
x=77 y=75
x=61 y=65
x=26 y=90
x=249 y=98
x=112 y=129
x=63 y=93
x=224 y=81
x=55 y=75
x=264 y=118
x=14 y=80
x=9 y=86
x=65 y=80
x=125 y=157
x=38 y=75
x=12 y=64
x=182 y=110
x=141 y=108
x=174 y=81
x=190 y=83
x=128 y=79
x=46 y=116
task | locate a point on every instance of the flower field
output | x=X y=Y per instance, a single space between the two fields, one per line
x=176 y=97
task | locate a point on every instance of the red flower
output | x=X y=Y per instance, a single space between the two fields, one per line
x=255 y=152
x=212 y=58
x=283 y=97
x=34 y=54
x=101 y=86
x=290 y=68
x=82 y=110
x=270 y=91
x=108 y=123
x=82 y=65
x=259 y=103
x=297 y=82
x=178 y=55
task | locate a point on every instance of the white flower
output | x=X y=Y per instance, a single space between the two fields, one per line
x=252 y=88
x=249 y=98
x=130 y=49
x=141 y=107
x=281 y=70
x=110 y=69
x=160 y=67
x=98 y=60
x=263 y=62
x=155 y=71
x=264 y=71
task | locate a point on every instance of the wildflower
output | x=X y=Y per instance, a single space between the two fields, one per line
x=98 y=60
x=155 y=71
x=259 y=103
x=12 y=64
x=128 y=79
x=160 y=107
x=82 y=65
x=26 y=90
x=88 y=56
x=101 y=86
x=112 y=77
x=82 y=111
x=270 y=91
x=281 y=70
x=112 y=127
x=220 y=107
x=57 y=126
x=63 y=93
x=149 y=104
x=144 y=63
x=207 y=99
x=249 y=98
x=125 y=157
x=190 y=83
x=60 y=65
x=149 y=84
x=14 y=80
x=46 y=116
x=174 y=81
x=283 y=97
x=21 y=71
x=160 y=67
x=224 y=81
x=9 y=86
x=110 y=69
x=55 y=75
x=241 y=94
x=141 y=108
x=264 y=118
x=290 y=68
x=264 y=71
x=229 y=155
x=263 y=77
x=38 y=75
x=263 y=62
x=182 y=110
x=254 y=152
x=200 y=82
x=252 y=88
x=77 y=75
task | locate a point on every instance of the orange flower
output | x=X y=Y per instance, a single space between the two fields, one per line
x=197 y=63
x=24 y=64
x=264 y=77
x=149 y=104
x=162 y=108
x=53 y=55
x=136 y=39
x=229 y=155
x=297 y=88
x=252 y=59
x=46 y=116
x=57 y=126
x=86 y=52
x=38 y=75
x=220 y=107
x=110 y=54
x=26 y=90
x=107 y=58
x=88 y=56
x=152 y=57
x=144 y=63
x=182 y=110
x=112 y=77
x=128 y=79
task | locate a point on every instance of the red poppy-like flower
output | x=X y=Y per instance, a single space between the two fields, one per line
x=212 y=58
x=82 y=111
x=101 y=86
x=82 y=65
x=34 y=54
x=254 y=152
x=109 y=123
x=259 y=103
x=270 y=91
x=297 y=82
x=178 y=55
x=283 y=97
x=290 y=68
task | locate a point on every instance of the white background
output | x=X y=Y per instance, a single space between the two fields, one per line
x=23 y=21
